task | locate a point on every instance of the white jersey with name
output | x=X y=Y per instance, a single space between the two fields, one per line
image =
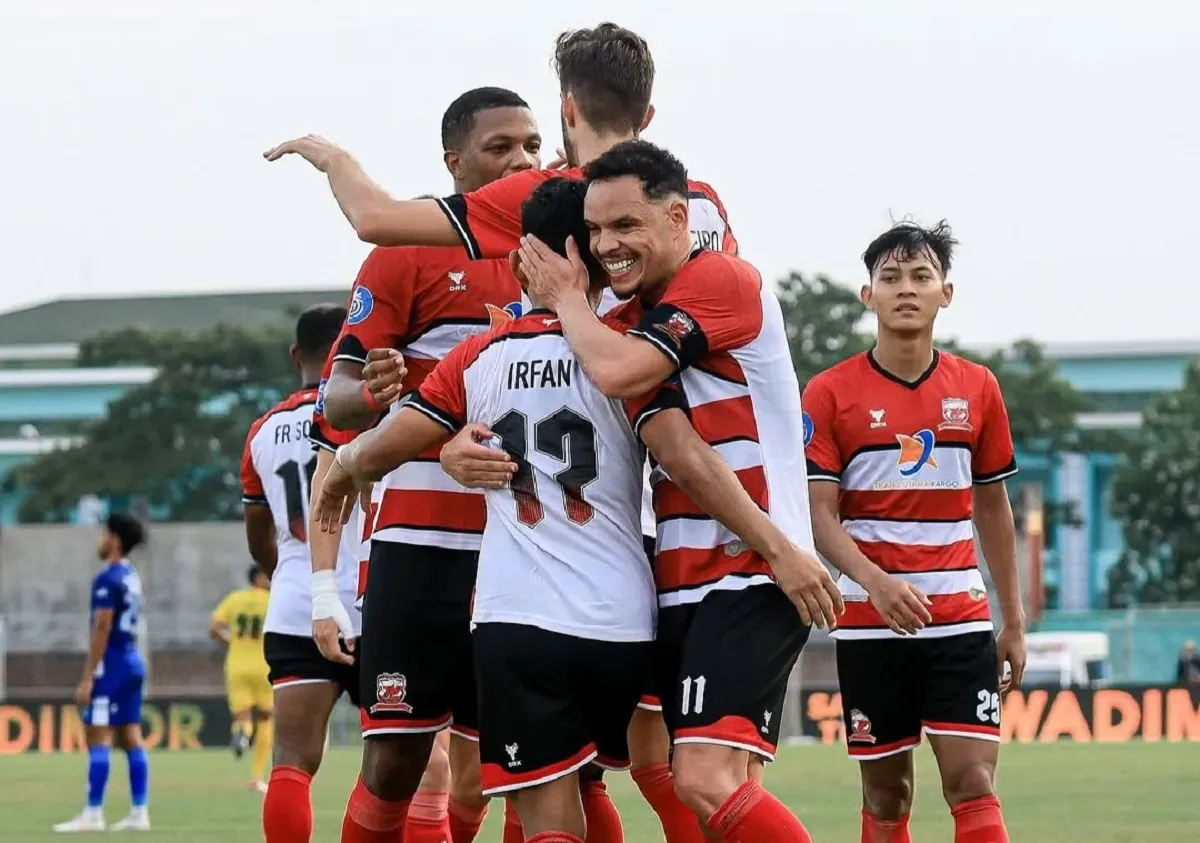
x=277 y=468
x=562 y=549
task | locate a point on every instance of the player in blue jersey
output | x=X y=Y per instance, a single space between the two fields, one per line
x=110 y=692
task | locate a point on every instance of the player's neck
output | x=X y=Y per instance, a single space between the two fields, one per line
x=594 y=295
x=309 y=377
x=683 y=254
x=590 y=144
x=905 y=356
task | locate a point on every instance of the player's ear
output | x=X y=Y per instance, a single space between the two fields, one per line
x=864 y=295
x=677 y=213
x=568 y=110
x=649 y=116
x=514 y=263
x=453 y=163
x=294 y=353
x=947 y=293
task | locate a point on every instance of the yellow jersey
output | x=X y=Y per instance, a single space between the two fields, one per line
x=242 y=612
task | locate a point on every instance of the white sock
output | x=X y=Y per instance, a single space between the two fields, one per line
x=90 y=813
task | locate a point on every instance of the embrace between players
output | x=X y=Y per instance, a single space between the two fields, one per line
x=529 y=619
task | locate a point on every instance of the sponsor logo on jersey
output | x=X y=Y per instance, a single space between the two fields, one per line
x=809 y=428
x=390 y=691
x=458 y=282
x=956 y=414
x=500 y=315
x=916 y=452
x=877 y=419
x=361 y=305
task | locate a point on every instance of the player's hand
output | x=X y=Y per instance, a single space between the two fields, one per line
x=330 y=621
x=83 y=691
x=312 y=148
x=384 y=375
x=559 y=162
x=1010 y=650
x=552 y=277
x=474 y=464
x=806 y=582
x=901 y=604
x=336 y=500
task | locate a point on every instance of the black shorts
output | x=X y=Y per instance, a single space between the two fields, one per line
x=296 y=660
x=549 y=703
x=893 y=689
x=722 y=667
x=417 y=671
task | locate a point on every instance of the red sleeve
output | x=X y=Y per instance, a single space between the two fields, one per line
x=380 y=306
x=488 y=220
x=994 y=457
x=252 y=486
x=443 y=394
x=821 y=448
x=713 y=304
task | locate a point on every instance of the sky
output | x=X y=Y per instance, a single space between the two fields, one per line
x=1061 y=140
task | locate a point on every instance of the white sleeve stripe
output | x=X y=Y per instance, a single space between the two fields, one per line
x=659 y=344
x=352 y=358
x=995 y=478
x=463 y=234
x=431 y=413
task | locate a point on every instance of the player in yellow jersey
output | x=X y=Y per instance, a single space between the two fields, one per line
x=238 y=622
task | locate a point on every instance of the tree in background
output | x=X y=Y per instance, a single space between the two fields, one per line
x=823 y=319
x=1156 y=496
x=175 y=442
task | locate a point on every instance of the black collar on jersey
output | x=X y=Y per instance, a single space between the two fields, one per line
x=309 y=386
x=537 y=311
x=896 y=379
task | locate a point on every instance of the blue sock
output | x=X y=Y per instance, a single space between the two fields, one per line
x=139 y=776
x=98 y=759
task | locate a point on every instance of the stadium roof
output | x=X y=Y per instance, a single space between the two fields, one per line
x=75 y=320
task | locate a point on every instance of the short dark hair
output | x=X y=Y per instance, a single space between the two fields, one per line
x=128 y=530
x=908 y=240
x=610 y=72
x=554 y=212
x=459 y=119
x=318 y=327
x=253 y=574
x=660 y=172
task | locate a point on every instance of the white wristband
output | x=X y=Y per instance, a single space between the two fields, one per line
x=324 y=589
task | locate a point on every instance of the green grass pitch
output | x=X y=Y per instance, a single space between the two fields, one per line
x=1052 y=793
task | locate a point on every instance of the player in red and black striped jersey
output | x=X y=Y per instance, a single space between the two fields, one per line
x=408 y=308
x=908 y=448
x=728 y=634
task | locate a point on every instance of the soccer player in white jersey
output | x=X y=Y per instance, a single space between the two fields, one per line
x=277 y=466
x=564 y=607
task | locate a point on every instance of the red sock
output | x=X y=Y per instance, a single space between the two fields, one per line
x=875 y=830
x=465 y=821
x=370 y=819
x=979 y=821
x=603 y=821
x=428 y=819
x=512 y=824
x=752 y=815
x=554 y=837
x=287 y=807
x=657 y=785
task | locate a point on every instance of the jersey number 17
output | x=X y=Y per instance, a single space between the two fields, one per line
x=564 y=435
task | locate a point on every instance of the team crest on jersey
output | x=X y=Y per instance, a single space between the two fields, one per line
x=809 y=428
x=956 y=414
x=499 y=315
x=860 y=728
x=916 y=452
x=458 y=281
x=678 y=326
x=390 y=691
x=361 y=305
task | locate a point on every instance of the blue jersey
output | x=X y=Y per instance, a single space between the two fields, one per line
x=119 y=588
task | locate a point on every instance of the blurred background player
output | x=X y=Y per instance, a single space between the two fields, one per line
x=110 y=691
x=409 y=307
x=237 y=622
x=908 y=449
